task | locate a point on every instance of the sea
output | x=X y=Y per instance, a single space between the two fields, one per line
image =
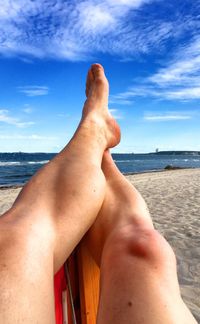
x=17 y=168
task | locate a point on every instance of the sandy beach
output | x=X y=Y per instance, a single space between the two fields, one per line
x=173 y=198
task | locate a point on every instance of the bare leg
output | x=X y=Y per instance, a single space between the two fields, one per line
x=138 y=267
x=54 y=211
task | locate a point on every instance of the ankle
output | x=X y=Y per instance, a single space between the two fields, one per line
x=94 y=126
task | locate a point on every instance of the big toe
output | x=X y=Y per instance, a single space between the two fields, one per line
x=90 y=80
x=98 y=71
x=97 y=85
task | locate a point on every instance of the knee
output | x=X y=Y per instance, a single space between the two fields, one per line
x=22 y=234
x=140 y=244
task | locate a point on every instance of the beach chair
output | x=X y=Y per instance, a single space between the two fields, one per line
x=76 y=287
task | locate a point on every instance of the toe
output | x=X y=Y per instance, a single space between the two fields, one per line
x=97 y=86
x=98 y=71
x=101 y=86
x=90 y=79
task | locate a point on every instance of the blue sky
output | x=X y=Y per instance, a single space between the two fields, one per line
x=151 y=53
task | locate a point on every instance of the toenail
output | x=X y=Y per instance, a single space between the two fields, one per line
x=97 y=66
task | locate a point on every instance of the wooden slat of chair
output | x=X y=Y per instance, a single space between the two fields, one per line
x=74 y=282
x=89 y=275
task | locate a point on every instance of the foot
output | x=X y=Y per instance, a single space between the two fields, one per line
x=123 y=205
x=96 y=105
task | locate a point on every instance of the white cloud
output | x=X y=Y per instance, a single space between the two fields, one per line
x=95 y=18
x=77 y=30
x=185 y=67
x=28 y=137
x=33 y=91
x=116 y=113
x=178 y=80
x=6 y=118
x=28 y=109
x=169 y=93
x=120 y=100
x=166 y=117
x=183 y=93
x=130 y=3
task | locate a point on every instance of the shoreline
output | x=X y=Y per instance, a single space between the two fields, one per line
x=176 y=168
x=12 y=187
x=160 y=170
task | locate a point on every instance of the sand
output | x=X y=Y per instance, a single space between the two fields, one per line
x=173 y=198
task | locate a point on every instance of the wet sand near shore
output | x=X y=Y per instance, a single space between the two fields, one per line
x=173 y=198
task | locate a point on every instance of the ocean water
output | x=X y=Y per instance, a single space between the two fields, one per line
x=17 y=168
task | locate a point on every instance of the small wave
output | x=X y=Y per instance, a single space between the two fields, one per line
x=121 y=161
x=126 y=161
x=22 y=163
x=9 y=163
x=38 y=162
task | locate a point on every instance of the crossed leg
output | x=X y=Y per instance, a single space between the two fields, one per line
x=54 y=211
x=57 y=207
x=138 y=267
